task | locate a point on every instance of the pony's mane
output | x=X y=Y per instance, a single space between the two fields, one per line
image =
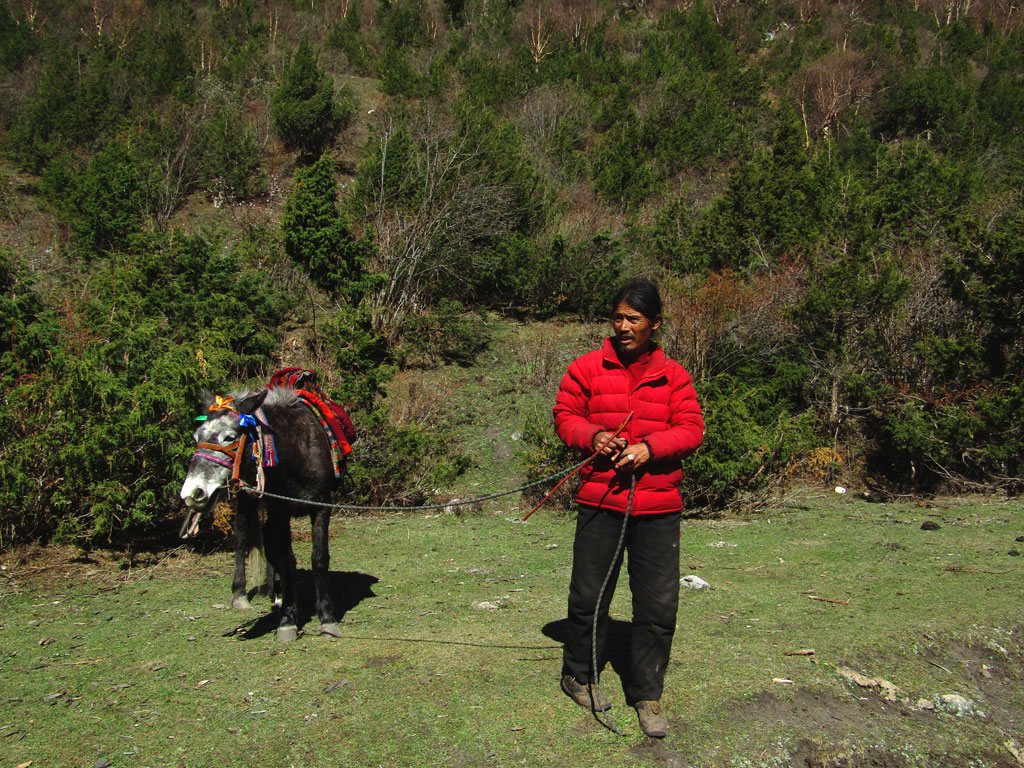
x=284 y=396
x=281 y=396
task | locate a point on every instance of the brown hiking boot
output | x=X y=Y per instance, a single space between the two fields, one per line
x=652 y=720
x=581 y=694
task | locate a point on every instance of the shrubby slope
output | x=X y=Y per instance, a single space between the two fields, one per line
x=828 y=193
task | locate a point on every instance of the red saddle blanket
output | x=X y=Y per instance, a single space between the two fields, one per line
x=334 y=419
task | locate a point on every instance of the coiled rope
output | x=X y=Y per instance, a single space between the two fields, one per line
x=595 y=673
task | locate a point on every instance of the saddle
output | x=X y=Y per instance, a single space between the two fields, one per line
x=333 y=418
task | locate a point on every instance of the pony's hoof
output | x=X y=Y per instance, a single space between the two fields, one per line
x=330 y=629
x=288 y=633
x=241 y=604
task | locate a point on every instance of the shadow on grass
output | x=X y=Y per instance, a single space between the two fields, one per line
x=346 y=588
x=616 y=650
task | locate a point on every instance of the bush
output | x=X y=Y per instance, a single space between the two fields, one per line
x=361 y=358
x=317 y=237
x=544 y=455
x=306 y=115
x=391 y=465
x=446 y=334
x=107 y=200
x=16 y=41
x=231 y=167
x=753 y=435
x=96 y=433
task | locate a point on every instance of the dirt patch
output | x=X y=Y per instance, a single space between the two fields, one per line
x=853 y=731
x=381 y=661
x=812 y=712
x=46 y=568
x=990 y=670
x=858 y=728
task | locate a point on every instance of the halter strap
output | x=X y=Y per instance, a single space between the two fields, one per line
x=234 y=450
x=215 y=459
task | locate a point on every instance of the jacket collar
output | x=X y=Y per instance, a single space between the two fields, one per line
x=654 y=368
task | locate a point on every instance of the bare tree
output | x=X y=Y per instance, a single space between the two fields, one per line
x=1006 y=14
x=575 y=19
x=428 y=221
x=827 y=87
x=433 y=19
x=114 y=19
x=31 y=12
x=536 y=29
x=182 y=154
x=723 y=316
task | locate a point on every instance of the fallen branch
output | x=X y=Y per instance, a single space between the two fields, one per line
x=934 y=664
x=826 y=600
x=972 y=569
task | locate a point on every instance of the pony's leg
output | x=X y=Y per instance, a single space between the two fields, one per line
x=239 y=595
x=321 y=563
x=277 y=537
x=272 y=585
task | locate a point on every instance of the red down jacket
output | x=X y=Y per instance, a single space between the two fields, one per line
x=596 y=394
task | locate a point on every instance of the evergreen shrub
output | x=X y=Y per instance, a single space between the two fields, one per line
x=97 y=431
x=306 y=115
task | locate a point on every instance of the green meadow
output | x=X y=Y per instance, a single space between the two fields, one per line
x=836 y=633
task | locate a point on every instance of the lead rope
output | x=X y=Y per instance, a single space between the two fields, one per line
x=595 y=673
x=581 y=465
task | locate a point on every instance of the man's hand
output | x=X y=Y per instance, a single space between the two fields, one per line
x=632 y=457
x=608 y=445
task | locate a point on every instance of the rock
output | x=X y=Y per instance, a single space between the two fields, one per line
x=929 y=525
x=840 y=490
x=694 y=582
x=1013 y=553
x=957 y=705
x=888 y=690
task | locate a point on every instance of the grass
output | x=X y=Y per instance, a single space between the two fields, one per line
x=485 y=407
x=449 y=654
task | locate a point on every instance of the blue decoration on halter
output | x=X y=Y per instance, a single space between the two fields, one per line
x=246 y=421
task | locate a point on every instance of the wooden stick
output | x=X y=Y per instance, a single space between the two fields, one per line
x=826 y=600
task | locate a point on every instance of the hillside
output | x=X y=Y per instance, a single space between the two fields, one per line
x=430 y=203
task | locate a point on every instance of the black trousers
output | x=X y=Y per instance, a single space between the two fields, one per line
x=652 y=544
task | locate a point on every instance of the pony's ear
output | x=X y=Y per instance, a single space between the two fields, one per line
x=208 y=400
x=250 y=403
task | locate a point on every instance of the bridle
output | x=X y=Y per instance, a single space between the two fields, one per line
x=233 y=452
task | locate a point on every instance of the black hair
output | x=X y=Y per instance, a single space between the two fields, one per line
x=642 y=295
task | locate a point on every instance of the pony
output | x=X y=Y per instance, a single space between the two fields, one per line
x=271 y=441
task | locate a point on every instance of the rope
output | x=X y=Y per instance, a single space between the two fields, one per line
x=418 y=507
x=595 y=673
x=564 y=475
x=592 y=456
